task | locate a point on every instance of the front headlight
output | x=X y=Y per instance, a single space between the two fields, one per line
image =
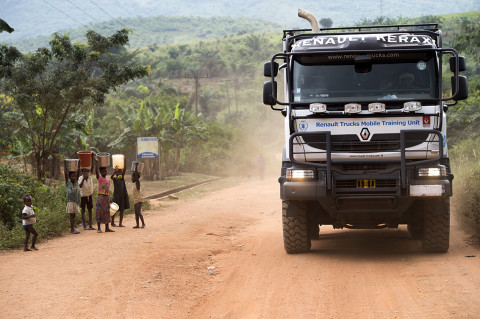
x=412 y=106
x=353 y=108
x=431 y=172
x=300 y=174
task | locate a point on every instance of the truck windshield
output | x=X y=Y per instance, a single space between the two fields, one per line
x=387 y=76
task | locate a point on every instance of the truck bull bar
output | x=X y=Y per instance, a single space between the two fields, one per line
x=294 y=140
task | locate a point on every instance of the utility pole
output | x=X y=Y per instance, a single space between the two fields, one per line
x=197 y=85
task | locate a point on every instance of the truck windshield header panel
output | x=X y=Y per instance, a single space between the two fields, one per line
x=384 y=76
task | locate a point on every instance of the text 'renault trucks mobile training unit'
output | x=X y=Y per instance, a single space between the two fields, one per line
x=365 y=130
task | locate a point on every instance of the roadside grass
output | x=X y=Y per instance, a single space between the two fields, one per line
x=465 y=160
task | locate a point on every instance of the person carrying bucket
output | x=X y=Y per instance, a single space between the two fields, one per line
x=72 y=170
x=120 y=194
x=102 y=209
x=85 y=184
x=137 y=195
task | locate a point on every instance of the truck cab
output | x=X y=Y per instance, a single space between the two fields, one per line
x=365 y=130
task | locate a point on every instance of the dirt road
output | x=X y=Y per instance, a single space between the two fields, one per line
x=222 y=256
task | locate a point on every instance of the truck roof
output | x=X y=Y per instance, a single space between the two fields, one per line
x=425 y=36
x=363 y=42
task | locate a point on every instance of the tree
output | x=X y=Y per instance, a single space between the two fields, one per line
x=52 y=83
x=468 y=41
x=326 y=22
x=5 y=27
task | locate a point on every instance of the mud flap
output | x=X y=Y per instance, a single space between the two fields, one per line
x=293 y=211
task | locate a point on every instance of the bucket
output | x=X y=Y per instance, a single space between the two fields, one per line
x=113 y=208
x=85 y=158
x=71 y=165
x=103 y=159
x=118 y=160
x=139 y=168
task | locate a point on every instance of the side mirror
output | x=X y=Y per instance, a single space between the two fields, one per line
x=462 y=93
x=270 y=93
x=270 y=67
x=462 y=65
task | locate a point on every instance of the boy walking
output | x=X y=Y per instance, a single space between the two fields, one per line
x=28 y=219
x=86 y=192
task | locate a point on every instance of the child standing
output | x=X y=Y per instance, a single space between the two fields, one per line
x=120 y=195
x=102 y=211
x=85 y=184
x=28 y=219
x=73 y=197
x=137 y=196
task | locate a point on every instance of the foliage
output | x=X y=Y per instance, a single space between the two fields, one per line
x=48 y=202
x=385 y=21
x=469 y=39
x=51 y=84
x=162 y=114
x=5 y=27
x=466 y=167
x=463 y=117
x=325 y=22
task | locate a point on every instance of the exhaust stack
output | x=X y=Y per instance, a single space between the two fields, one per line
x=310 y=18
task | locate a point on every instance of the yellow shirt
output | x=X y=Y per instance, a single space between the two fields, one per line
x=137 y=195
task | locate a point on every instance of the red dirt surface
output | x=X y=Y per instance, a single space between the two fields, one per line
x=222 y=256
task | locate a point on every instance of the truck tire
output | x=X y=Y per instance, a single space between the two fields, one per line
x=436 y=234
x=296 y=235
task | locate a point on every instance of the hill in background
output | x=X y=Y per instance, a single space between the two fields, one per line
x=162 y=30
x=31 y=18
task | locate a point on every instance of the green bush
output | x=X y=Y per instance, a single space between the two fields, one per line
x=48 y=202
x=465 y=159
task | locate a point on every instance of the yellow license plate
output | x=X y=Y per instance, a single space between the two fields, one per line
x=365 y=183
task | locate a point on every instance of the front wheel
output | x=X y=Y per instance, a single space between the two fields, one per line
x=436 y=223
x=296 y=236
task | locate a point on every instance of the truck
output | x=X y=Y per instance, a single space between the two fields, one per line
x=365 y=130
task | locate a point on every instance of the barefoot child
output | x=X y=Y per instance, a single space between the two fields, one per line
x=85 y=184
x=120 y=195
x=102 y=209
x=137 y=197
x=28 y=219
x=73 y=197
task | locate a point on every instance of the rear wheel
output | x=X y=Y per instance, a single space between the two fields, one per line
x=436 y=236
x=296 y=235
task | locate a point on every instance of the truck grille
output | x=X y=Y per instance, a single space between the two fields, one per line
x=379 y=183
x=364 y=167
x=378 y=143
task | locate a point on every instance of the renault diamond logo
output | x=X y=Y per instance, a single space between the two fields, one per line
x=365 y=134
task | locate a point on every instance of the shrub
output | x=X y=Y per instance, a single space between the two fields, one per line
x=48 y=202
x=466 y=167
